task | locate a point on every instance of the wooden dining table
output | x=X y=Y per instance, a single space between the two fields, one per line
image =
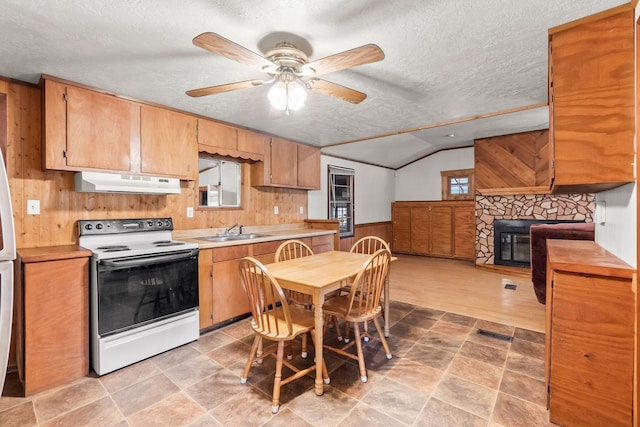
x=318 y=275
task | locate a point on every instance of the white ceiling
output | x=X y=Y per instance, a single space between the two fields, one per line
x=446 y=62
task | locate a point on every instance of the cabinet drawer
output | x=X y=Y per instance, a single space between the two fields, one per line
x=230 y=252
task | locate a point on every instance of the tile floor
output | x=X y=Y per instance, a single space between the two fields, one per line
x=442 y=374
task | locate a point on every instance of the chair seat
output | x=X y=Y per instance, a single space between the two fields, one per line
x=338 y=305
x=302 y=321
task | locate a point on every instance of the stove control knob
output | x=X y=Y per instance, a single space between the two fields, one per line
x=167 y=223
x=159 y=223
x=150 y=224
x=88 y=227
x=98 y=226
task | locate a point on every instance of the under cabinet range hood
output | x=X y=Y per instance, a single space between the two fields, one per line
x=101 y=182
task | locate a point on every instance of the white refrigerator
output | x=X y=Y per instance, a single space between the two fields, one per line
x=7 y=255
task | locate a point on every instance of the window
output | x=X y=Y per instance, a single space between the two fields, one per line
x=341 y=198
x=457 y=184
x=219 y=182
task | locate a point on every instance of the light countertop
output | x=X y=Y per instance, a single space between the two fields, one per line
x=271 y=232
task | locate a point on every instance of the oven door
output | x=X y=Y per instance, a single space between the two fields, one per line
x=135 y=291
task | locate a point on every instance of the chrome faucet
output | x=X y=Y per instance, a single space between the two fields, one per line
x=228 y=230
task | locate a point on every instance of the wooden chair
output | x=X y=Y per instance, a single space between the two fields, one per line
x=362 y=304
x=369 y=245
x=274 y=319
x=366 y=245
x=292 y=249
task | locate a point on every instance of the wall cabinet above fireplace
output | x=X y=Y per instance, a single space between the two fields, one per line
x=591 y=103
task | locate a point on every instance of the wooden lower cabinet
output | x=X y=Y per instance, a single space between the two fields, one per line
x=589 y=365
x=438 y=228
x=221 y=295
x=52 y=316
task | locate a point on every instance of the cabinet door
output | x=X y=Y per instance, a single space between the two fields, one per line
x=229 y=299
x=56 y=323
x=251 y=142
x=213 y=134
x=464 y=232
x=284 y=162
x=205 y=288
x=593 y=104
x=87 y=130
x=401 y=223
x=168 y=143
x=308 y=167
x=591 y=355
x=420 y=230
x=441 y=230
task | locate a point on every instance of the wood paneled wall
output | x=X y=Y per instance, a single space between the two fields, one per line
x=383 y=230
x=517 y=160
x=61 y=206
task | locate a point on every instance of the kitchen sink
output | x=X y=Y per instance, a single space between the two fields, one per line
x=231 y=237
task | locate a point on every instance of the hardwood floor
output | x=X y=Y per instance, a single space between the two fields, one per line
x=459 y=287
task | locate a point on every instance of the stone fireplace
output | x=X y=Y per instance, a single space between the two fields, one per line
x=546 y=207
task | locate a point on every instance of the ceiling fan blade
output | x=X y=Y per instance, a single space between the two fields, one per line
x=350 y=58
x=337 y=91
x=218 y=44
x=212 y=90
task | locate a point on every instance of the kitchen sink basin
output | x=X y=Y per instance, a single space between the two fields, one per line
x=231 y=237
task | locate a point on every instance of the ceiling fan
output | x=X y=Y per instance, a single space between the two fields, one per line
x=289 y=69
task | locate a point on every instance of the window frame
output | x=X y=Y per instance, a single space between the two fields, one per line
x=238 y=183
x=347 y=224
x=448 y=175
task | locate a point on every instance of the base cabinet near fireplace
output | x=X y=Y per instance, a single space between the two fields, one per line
x=590 y=336
x=436 y=228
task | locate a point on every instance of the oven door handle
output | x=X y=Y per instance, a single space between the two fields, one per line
x=137 y=262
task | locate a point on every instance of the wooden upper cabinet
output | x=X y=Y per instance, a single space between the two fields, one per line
x=591 y=93
x=284 y=162
x=251 y=142
x=287 y=164
x=85 y=129
x=168 y=143
x=218 y=138
x=308 y=167
x=213 y=134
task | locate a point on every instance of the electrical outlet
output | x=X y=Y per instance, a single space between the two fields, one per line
x=301 y=210
x=275 y=210
x=33 y=207
x=189 y=212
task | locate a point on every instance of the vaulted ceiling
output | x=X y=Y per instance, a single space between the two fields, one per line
x=449 y=66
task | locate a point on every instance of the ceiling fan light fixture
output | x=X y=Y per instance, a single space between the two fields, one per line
x=278 y=95
x=289 y=95
x=297 y=95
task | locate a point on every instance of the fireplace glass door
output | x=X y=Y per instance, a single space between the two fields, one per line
x=514 y=248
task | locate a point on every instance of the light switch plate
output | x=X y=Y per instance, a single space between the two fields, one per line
x=301 y=210
x=275 y=210
x=189 y=212
x=33 y=207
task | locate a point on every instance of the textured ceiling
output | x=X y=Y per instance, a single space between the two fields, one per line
x=446 y=61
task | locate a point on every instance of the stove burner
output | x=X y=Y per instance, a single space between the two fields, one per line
x=167 y=243
x=113 y=248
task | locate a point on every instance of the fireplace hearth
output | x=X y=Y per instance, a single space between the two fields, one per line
x=512 y=241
